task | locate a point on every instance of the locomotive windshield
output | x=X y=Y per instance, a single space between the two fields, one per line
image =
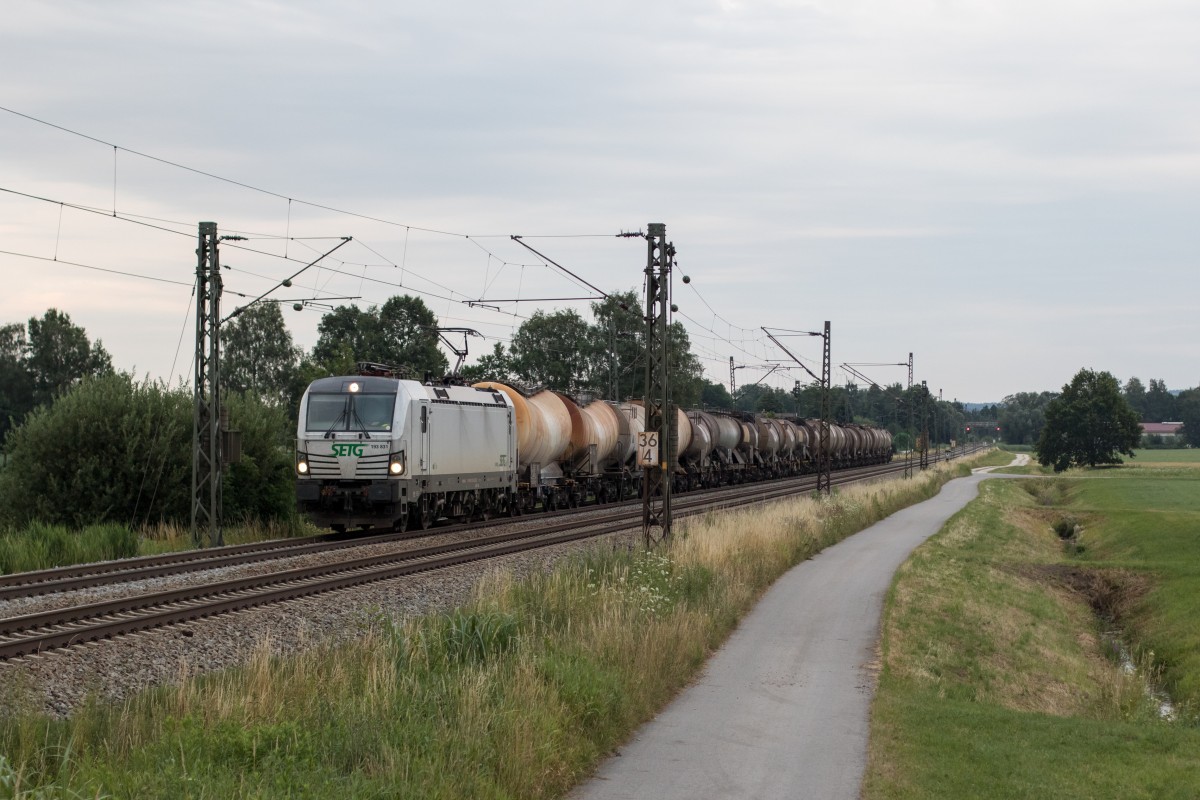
x=330 y=413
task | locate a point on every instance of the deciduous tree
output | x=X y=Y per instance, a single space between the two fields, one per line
x=1135 y=395
x=1189 y=415
x=59 y=355
x=401 y=333
x=1160 y=403
x=553 y=350
x=1089 y=424
x=16 y=383
x=258 y=354
x=495 y=366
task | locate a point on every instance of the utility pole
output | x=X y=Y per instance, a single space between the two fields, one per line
x=656 y=452
x=732 y=385
x=207 y=417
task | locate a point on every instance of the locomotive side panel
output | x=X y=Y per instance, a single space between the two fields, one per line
x=469 y=442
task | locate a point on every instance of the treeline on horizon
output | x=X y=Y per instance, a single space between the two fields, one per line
x=1022 y=416
x=84 y=443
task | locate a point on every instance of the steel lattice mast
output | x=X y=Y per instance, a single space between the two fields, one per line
x=908 y=457
x=825 y=466
x=660 y=418
x=206 y=435
x=926 y=399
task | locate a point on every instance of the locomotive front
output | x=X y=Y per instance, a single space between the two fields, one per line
x=351 y=443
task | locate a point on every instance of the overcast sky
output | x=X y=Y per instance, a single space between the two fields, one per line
x=1007 y=189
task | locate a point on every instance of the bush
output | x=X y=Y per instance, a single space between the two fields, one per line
x=262 y=485
x=110 y=450
x=114 y=450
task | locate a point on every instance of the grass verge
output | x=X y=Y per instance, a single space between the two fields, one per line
x=997 y=678
x=518 y=695
x=41 y=546
x=993 y=458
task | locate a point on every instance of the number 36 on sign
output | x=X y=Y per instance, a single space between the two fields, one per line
x=647 y=445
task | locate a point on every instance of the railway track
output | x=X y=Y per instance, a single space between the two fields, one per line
x=74 y=625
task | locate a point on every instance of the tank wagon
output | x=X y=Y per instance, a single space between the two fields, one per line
x=379 y=451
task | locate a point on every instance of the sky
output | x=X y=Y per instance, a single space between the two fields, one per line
x=1008 y=190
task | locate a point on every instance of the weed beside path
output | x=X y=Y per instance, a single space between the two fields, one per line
x=997 y=680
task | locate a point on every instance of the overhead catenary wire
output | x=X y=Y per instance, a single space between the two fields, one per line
x=447 y=293
x=231 y=245
x=139 y=220
x=93 y=267
x=113 y=212
x=269 y=192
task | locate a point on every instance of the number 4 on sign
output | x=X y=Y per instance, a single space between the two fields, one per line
x=648 y=448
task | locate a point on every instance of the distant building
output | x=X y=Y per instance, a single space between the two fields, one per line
x=1164 y=429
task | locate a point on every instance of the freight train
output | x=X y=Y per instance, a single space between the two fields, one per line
x=378 y=451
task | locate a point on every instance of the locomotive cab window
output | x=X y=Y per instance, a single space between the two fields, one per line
x=326 y=411
x=350 y=412
x=374 y=411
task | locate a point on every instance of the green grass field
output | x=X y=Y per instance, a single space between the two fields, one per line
x=997 y=681
x=1188 y=456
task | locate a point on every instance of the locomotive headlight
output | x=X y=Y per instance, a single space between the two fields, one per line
x=396 y=464
x=302 y=467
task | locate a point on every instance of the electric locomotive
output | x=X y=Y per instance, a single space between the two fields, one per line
x=375 y=450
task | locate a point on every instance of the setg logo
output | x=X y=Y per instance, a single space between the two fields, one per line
x=341 y=449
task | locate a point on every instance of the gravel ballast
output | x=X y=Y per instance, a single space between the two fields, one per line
x=58 y=682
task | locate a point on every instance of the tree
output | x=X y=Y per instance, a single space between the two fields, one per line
x=401 y=333
x=16 y=383
x=1135 y=395
x=59 y=355
x=1022 y=416
x=1189 y=415
x=716 y=396
x=408 y=336
x=495 y=366
x=258 y=354
x=1090 y=424
x=684 y=371
x=618 y=337
x=618 y=342
x=1160 y=403
x=346 y=330
x=40 y=364
x=553 y=350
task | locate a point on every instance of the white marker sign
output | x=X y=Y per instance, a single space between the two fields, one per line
x=648 y=448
